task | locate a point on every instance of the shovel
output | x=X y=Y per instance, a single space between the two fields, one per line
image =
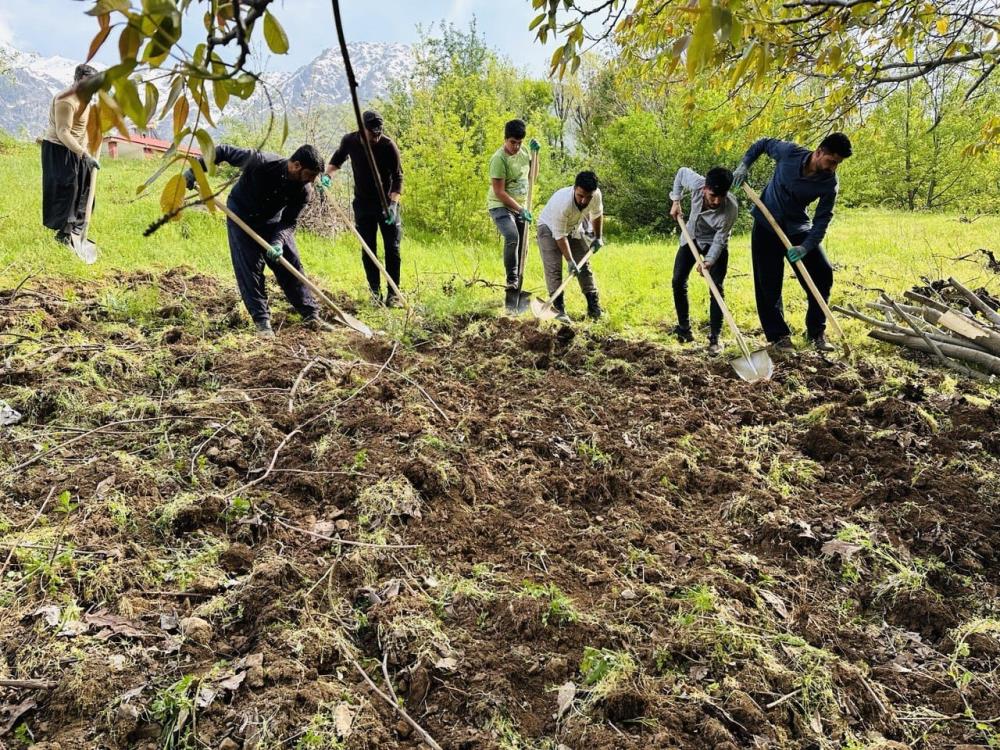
x=340 y=316
x=84 y=248
x=371 y=253
x=752 y=366
x=545 y=310
x=523 y=298
x=800 y=266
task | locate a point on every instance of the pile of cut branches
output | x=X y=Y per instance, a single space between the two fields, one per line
x=957 y=326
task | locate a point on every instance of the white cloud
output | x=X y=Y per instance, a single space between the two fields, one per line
x=7 y=37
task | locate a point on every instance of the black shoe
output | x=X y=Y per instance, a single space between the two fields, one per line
x=264 y=329
x=392 y=301
x=594 y=311
x=64 y=238
x=683 y=334
x=784 y=344
x=714 y=347
x=821 y=344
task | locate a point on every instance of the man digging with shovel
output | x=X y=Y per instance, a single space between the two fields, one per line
x=800 y=177
x=67 y=167
x=509 y=170
x=713 y=213
x=269 y=196
x=569 y=227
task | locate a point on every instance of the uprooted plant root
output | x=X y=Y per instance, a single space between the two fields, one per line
x=525 y=539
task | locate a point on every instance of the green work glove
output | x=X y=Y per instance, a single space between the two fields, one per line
x=324 y=183
x=796 y=253
x=573 y=267
x=392 y=217
x=596 y=245
x=274 y=252
x=526 y=216
x=740 y=175
x=534 y=145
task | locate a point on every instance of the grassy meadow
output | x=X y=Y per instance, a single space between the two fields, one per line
x=872 y=249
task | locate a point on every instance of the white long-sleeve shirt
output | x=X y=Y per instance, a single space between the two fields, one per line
x=709 y=227
x=563 y=217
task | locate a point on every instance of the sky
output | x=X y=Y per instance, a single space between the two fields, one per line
x=61 y=27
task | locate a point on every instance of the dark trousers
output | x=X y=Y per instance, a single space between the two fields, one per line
x=683 y=264
x=511 y=228
x=248 y=263
x=65 y=189
x=369 y=222
x=769 y=259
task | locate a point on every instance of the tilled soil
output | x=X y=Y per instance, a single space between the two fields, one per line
x=527 y=538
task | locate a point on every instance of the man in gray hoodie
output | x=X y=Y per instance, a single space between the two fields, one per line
x=713 y=213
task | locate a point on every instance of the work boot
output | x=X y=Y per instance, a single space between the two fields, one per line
x=821 y=344
x=683 y=334
x=316 y=323
x=392 y=301
x=559 y=305
x=510 y=296
x=264 y=330
x=784 y=345
x=714 y=347
x=64 y=238
x=594 y=311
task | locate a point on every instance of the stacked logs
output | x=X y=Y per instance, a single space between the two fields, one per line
x=957 y=336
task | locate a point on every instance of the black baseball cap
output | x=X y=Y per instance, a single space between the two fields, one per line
x=372 y=121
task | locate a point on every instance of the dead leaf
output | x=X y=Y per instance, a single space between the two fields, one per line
x=564 y=699
x=130 y=694
x=14 y=713
x=73 y=628
x=343 y=720
x=775 y=601
x=50 y=613
x=232 y=682
x=324 y=528
x=104 y=486
x=112 y=625
x=846 y=550
x=206 y=696
x=169 y=621
x=447 y=664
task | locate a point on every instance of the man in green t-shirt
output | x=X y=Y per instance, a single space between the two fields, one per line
x=509 y=168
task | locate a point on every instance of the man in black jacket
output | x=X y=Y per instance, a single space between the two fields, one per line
x=369 y=216
x=269 y=196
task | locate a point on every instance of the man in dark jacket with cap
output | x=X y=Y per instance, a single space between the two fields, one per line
x=269 y=196
x=369 y=216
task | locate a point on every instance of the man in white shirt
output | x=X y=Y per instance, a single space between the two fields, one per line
x=569 y=226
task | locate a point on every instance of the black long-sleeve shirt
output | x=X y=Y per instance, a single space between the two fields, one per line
x=790 y=191
x=264 y=196
x=387 y=161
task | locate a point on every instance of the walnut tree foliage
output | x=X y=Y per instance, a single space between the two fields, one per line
x=200 y=81
x=825 y=59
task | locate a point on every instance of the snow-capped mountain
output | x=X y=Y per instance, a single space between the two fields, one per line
x=26 y=91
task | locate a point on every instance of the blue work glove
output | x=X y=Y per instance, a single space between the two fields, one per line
x=534 y=145
x=526 y=216
x=392 y=217
x=740 y=175
x=274 y=252
x=596 y=245
x=797 y=253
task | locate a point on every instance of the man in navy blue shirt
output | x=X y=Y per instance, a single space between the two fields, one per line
x=269 y=196
x=800 y=177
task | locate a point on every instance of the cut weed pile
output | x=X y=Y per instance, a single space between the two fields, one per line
x=529 y=539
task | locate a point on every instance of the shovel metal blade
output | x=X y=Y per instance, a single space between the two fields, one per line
x=542 y=310
x=758 y=367
x=354 y=324
x=85 y=249
x=523 y=303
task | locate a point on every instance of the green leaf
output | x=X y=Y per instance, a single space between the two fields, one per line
x=127 y=95
x=101 y=7
x=152 y=99
x=220 y=93
x=98 y=41
x=128 y=43
x=181 y=111
x=274 y=35
x=206 y=146
x=176 y=86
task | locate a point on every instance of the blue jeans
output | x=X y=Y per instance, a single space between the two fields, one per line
x=512 y=230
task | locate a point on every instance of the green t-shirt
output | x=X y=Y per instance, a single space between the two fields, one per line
x=513 y=170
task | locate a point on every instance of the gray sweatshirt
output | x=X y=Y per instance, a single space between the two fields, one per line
x=709 y=227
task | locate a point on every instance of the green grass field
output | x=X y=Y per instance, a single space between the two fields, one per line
x=871 y=248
